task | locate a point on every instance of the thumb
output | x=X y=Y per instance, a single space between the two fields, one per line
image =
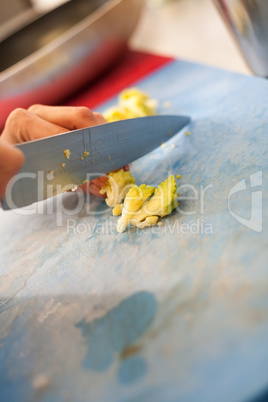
x=11 y=160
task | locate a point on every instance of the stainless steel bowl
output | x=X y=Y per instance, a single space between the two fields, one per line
x=248 y=22
x=62 y=50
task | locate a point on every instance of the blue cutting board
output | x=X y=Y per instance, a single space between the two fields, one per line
x=171 y=313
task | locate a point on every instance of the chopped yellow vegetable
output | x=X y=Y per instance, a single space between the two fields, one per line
x=85 y=154
x=178 y=176
x=143 y=205
x=134 y=200
x=131 y=103
x=117 y=187
x=149 y=221
x=67 y=153
x=187 y=133
x=114 y=114
x=117 y=210
x=162 y=203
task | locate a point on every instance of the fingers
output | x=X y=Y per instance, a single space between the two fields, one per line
x=126 y=168
x=100 y=117
x=22 y=125
x=95 y=190
x=94 y=186
x=11 y=160
x=71 y=118
x=43 y=121
x=100 y=181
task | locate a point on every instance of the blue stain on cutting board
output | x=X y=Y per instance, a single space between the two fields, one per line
x=132 y=369
x=110 y=335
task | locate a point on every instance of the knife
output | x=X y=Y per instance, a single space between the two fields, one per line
x=92 y=152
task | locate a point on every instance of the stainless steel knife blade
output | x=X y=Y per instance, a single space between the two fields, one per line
x=94 y=151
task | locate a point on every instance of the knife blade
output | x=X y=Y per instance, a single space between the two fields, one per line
x=94 y=151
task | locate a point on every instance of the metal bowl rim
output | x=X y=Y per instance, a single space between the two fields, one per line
x=71 y=33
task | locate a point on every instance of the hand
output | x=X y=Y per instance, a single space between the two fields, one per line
x=41 y=121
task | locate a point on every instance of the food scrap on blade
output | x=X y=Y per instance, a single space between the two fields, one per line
x=66 y=153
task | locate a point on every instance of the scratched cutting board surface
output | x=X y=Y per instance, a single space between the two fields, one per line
x=178 y=312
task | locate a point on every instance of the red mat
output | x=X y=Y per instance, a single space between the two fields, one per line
x=132 y=66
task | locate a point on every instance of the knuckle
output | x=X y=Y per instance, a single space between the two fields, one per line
x=34 y=108
x=15 y=117
x=99 y=116
x=59 y=130
x=19 y=112
x=83 y=113
x=15 y=124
